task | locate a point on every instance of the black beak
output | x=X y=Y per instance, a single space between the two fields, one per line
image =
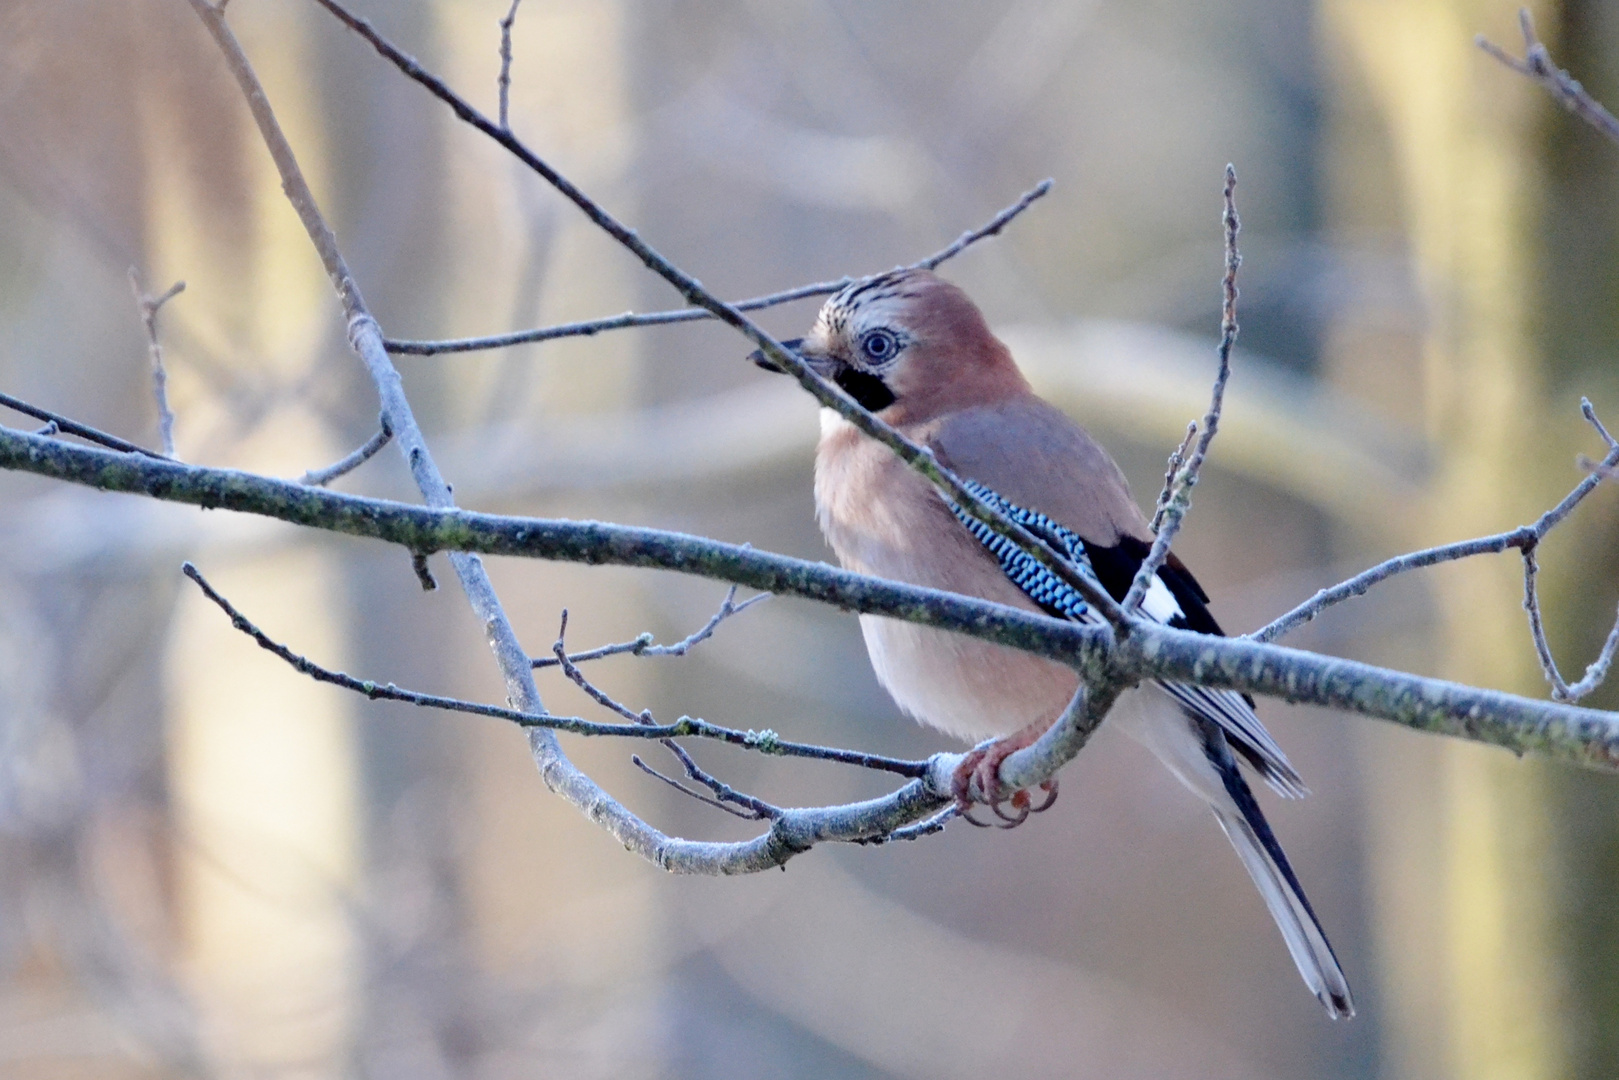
x=758 y=355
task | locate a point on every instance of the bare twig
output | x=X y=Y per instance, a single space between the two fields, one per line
x=706 y=800
x=917 y=457
x=322 y=477
x=73 y=427
x=658 y=318
x=1537 y=65
x=577 y=677
x=505 y=81
x=934 y=824
x=1607 y=472
x=1177 y=458
x=423 y=572
x=1173 y=506
x=725 y=796
x=643 y=645
x=722 y=791
x=1598 y=669
x=764 y=742
x=1522 y=538
x=1590 y=414
x=149 y=307
x=992 y=228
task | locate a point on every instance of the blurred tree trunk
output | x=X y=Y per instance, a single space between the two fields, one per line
x=264 y=780
x=555 y=909
x=1462 y=840
x=1580 y=324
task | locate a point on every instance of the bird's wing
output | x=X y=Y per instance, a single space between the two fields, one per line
x=1075 y=498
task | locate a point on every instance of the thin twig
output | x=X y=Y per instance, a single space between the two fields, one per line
x=917 y=457
x=725 y=796
x=1177 y=458
x=322 y=477
x=925 y=827
x=643 y=645
x=1537 y=65
x=73 y=427
x=722 y=791
x=1537 y=628
x=149 y=307
x=1598 y=669
x=1589 y=412
x=632 y=319
x=1607 y=472
x=1172 y=510
x=505 y=81
x=706 y=800
x=423 y=572
x=992 y=228
x=579 y=679
x=1524 y=536
x=765 y=742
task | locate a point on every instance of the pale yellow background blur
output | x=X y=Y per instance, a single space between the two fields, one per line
x=212 y=866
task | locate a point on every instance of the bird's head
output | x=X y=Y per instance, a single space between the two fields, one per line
x=907 y=344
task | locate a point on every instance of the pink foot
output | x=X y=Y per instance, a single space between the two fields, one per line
x=982 y=766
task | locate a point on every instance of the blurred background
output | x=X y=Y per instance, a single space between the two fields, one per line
x=210 y=866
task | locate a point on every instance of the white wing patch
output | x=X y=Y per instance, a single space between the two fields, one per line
x=1159 y=603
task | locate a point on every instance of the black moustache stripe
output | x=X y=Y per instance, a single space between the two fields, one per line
x=871 y=392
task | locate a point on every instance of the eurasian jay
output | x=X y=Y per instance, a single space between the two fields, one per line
x=913 y=349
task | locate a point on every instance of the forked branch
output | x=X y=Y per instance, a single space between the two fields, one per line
x=1537 y=65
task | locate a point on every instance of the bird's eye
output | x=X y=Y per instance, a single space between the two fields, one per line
x=879 y=346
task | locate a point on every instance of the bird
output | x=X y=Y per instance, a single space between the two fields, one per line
x=913 y=349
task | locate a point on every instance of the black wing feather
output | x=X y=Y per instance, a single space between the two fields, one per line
x=1114 y=568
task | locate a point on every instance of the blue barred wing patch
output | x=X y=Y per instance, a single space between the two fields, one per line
x=1037 y=583
x=1056 y=597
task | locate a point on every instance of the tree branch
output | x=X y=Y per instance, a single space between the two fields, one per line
x=1598 y=669
x=322 y=477
x=917 y=457
x=1563 y=732
x=1523 y=537
x=1537 y=65
x=149 y=307
x=56 y=422
x=1177 y=458
x=764 y=742
x=643 y=645
x=1172 y=509
x=504 y=82
x=660 y=318
x=365 y=337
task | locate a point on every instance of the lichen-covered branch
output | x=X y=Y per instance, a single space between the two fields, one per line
x=1564 y=732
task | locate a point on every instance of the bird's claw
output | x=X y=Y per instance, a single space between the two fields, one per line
x=982 y=766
